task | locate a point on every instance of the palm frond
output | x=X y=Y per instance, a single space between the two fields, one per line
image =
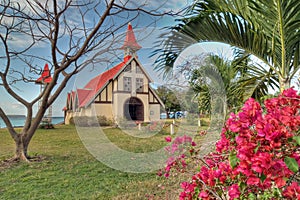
x=267 y=29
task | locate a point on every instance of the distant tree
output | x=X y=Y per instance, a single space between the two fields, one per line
x=231 y=74
x=191 y=103
x=75 y=34
x=169 y=98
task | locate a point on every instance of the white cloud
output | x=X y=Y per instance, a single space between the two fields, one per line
x=163 y=5
x=13 y=108
x=17 y=106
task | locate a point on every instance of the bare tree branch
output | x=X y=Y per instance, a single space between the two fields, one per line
x=8 y=124
x=71 y=42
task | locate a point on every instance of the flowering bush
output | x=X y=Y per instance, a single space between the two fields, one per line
x=257 y=157
x=155 y=126
x=178 y=153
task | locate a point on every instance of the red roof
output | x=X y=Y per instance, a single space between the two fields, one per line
x=82 y=94
x=45 y=77
x=92 y=88
x=130 y=41
x=68 y=97
x=72 y=97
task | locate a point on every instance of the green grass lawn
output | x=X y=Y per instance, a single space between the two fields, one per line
x=68 y=171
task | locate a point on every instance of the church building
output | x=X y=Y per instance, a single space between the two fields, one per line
x=122 y=92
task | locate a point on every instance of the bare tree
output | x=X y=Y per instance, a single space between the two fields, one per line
x=72 y=31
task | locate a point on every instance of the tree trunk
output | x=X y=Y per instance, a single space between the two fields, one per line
x=284 y=84
x=21 y=149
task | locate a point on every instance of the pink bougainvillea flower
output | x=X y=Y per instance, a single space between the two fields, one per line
x=253 y=180
x=250 y=156
x=234 y=191
x=292 y=191
x=188 y=187
x=203 y=195
x=188 y=190
x=291 y=92
x=280 y=182
x=223 y=144
x=159 y=173
x=168 y=139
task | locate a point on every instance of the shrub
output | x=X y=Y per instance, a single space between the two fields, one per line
x=46 y=126
x=85 y=121
x=125 y=123
x=104 y=121
x=257 y=156
x=178 y=154
x=155 y=126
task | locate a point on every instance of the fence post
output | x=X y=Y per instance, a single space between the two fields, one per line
x=172 y=129
x=140 y=126
x=199 y=122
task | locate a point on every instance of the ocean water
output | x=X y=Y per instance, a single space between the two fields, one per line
x=20 y=121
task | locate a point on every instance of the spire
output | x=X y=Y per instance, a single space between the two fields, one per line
x=130 y=45
x=45 y=77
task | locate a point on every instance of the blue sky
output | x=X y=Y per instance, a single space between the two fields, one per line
x=145 y=36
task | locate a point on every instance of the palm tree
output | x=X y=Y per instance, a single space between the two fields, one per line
x=230 y=72
x=266 y=29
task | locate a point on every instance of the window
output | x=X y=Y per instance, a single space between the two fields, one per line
x=139 y=85
x=138 y=70
x=127 y=84
x=127 y=68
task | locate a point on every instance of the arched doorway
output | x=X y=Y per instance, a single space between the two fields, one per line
x=134 y=109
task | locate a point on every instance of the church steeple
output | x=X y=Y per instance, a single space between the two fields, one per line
x=130 y=45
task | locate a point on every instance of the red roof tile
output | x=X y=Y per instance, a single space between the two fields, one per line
x=82 y=94
x=130 y=40
x=92 y=88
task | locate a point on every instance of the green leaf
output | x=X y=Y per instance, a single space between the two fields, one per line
x=263 y=177
x=197 y=191
x=251 y=196
x=233 y=160
x=297 y=139
x=292 y=164
x=256 y=149
x=243 y=186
